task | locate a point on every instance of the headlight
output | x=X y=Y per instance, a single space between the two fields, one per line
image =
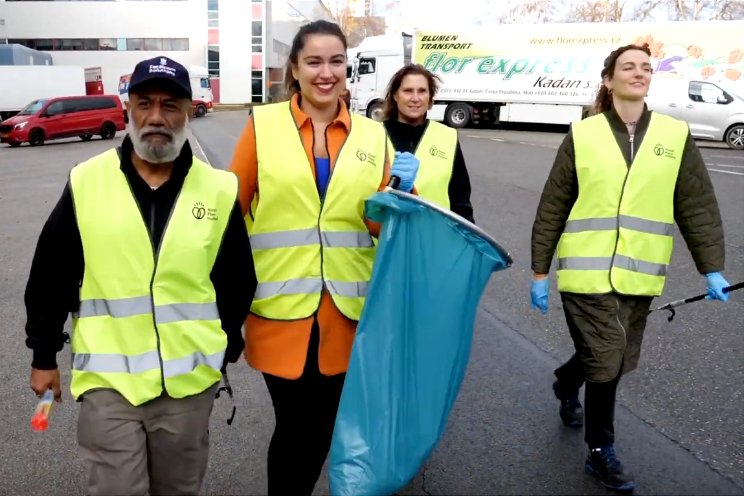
x=21 y=125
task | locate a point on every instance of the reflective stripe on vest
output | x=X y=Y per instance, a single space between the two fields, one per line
x=300 y=244
x=144 y=325
x=619 y=235
x=436 y=154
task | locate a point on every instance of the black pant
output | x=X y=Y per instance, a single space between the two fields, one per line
x=305 y=411
x=599 y=401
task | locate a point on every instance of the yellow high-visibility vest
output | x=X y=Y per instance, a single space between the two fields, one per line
x=302 y=245
x=148 y=322
x=436 y=154
x=619 y=234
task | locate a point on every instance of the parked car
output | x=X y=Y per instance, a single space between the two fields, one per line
x=713 y=110
x=64 y=117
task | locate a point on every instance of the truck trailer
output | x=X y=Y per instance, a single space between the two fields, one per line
x=540 y=73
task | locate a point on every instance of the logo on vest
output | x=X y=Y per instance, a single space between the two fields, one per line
x=436 y=152
x=200 y=211
x=660 y=151
x=365 y=157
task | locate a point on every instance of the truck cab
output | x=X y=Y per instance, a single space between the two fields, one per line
x=371 y=74
x=377 y=58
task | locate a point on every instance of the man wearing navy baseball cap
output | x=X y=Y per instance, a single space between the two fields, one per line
x=159 y=80
x=162 y=72
x=148 y=249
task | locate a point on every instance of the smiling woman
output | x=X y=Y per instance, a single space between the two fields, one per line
x=620 y=181
x=443 y=177
x=314 y=165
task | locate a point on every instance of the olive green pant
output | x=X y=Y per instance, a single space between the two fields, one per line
x=160 y=447
x=607 y=331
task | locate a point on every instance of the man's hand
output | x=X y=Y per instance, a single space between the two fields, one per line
x=41 y=380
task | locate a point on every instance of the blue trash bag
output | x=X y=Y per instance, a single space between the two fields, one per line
x=412 y=343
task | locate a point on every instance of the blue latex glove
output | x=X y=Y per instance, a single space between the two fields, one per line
x=539 y=294
x=405 y=166
x=716 y=283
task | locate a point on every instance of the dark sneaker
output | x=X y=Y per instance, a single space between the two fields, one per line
x=570 y=411
x=604 y=465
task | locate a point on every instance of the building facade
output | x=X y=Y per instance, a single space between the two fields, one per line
x=227 y=37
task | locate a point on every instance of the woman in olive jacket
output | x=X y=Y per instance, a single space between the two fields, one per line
x=607 y=326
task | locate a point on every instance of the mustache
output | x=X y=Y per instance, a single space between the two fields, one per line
x=161 y=130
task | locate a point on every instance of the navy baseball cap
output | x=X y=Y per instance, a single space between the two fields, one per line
x=162 y=70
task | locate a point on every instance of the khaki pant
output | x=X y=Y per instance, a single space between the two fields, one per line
x=160 y=447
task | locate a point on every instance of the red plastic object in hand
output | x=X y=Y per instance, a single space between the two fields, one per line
x=40 y=419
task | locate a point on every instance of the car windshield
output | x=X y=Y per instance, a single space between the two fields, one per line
x=738 y=92
x=32 y=107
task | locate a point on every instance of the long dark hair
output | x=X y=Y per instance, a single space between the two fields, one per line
x=291 y=85
x=390 y=109
x=603 y=102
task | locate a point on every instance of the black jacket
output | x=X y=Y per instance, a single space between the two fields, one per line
x=695 y=207
x=406 y=138
x=53 y=286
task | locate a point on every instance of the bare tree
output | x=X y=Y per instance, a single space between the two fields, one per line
x=358 y=25
x=598 y=11
x=729 y=10
x=646 y=9
x=530 y=11
x=689 y=10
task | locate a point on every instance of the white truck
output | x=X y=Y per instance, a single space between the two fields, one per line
x=22 y=84
x=540 y=73
x=201 y=89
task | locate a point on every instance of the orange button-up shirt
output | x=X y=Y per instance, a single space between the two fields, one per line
x=279 y=347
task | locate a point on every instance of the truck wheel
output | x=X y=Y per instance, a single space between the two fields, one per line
x=36 y=137
x=735 y=137
x=374 y=111
x=200 y=111
x=458 y=115
x=108 y=131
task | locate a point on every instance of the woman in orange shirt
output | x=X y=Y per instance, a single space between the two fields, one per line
x=304 y=168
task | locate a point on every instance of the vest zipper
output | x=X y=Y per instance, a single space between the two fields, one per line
x=155 y=253
x=631 y=139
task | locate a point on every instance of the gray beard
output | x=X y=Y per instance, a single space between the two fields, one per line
x=157 y=153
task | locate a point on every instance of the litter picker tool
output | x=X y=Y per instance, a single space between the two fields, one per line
x=674 y=304
x=226 y=387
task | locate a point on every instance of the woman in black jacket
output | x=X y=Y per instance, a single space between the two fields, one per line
x=442 y=175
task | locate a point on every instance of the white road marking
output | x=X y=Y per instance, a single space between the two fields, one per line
x=727 y=172
x=200 y=149
x=726 y=156
x=729 y=165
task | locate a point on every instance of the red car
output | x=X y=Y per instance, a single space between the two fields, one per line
x=64 y=117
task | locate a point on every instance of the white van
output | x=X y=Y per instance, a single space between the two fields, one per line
x=713 y=110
